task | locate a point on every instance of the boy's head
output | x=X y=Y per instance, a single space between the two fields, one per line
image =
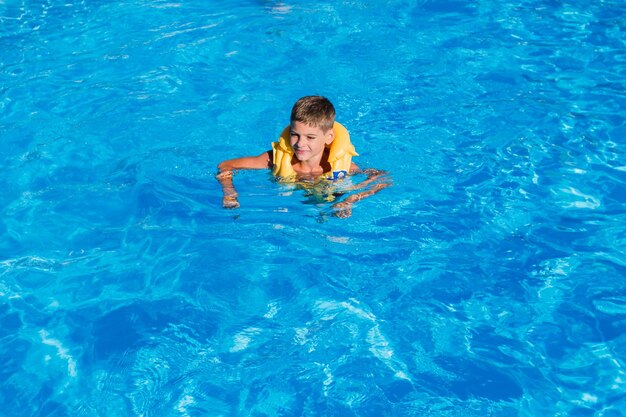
x=315 y=111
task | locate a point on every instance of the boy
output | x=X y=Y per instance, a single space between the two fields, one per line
x=311 y=146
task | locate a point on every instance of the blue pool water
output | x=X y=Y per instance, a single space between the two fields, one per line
x=490 y=280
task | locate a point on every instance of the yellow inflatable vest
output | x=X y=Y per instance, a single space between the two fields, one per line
x=340 y=156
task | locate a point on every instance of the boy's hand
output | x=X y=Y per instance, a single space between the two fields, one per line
x=342 y=209
x=230 y=201
x=373 y=184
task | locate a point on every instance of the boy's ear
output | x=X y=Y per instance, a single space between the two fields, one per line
x=330 y=136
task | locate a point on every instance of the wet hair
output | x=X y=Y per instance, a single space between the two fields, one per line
x=315 y=111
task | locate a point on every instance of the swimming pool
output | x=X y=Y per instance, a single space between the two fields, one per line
x=488 y=281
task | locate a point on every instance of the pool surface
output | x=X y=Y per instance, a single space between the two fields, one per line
x=489 y=280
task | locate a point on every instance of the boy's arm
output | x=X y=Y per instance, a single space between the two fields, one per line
x=376 y=178
x=226 y=170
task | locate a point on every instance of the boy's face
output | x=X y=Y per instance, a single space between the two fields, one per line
x=308 y=142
